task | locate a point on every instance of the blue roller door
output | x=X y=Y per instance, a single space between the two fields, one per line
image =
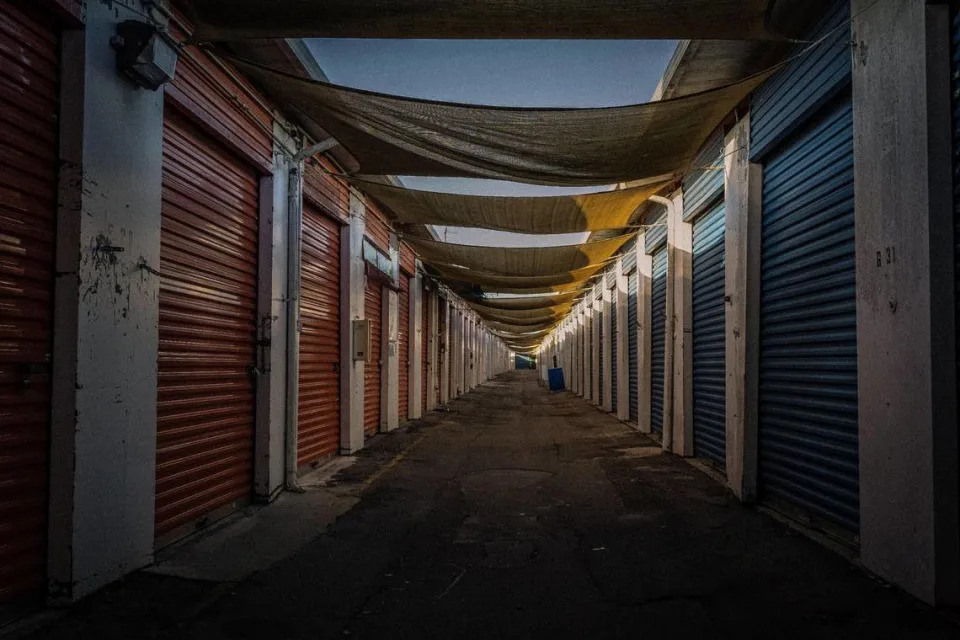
x=808 y=343
x=658 y=332
x=631 y=328
x=614 y=336
x=709 y=370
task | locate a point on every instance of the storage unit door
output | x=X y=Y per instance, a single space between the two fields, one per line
x=631 y=328
x=318 y=404
x=29 y=106
x=599 y=318
x=208 y=296
x=373 y=305
x=709 y=357
x=613 y=348
x=808 y=341
x=403 y=344
x=658 y=333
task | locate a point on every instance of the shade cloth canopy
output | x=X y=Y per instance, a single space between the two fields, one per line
x=543 y=214
x=527 y=332
x=521 y=314
x=522 y=322
x=479 y=19
x=518 y=262
x=526 y=302
x=493 y=282
x=393 y=135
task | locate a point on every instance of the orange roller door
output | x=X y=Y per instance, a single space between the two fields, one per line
x=373 y=304
x=318 y=423
x=403 y=344
x=29 y=97
x=208 y=291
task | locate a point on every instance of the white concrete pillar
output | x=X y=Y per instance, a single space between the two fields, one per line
x=906 y=333
x=742 y=202
x=104 y=367
x=679 y=331
x=414 y=364
x=606 y=347
x=596 y=300
x=623 y=345
x=445 y=352
x=352 y=283
x=433 y=338
x=644 y=337
x=390 y=355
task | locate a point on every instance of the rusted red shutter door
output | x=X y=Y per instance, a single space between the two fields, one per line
x=208 y=286
x=29 y=92
x=371 y=372
x=318 y=422
x=424 y=347
x=403 y=344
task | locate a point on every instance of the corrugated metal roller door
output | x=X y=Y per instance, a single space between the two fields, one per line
x=658 y=333
x=614 y=336
x=373 y=305
x=633 y=365
x=808 y=343
x=403 y=345
x=709 y=357
x=318 y=411
x=603 y=337
x=208 y=296
x=29 y=106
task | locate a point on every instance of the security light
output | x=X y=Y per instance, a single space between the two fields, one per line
x=144 y=54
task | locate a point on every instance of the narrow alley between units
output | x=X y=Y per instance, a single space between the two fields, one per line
x=517 y=513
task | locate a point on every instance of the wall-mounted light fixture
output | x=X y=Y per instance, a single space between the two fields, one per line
x=145 y=54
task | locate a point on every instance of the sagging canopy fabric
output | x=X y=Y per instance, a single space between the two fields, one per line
x=480 y=19
x=492 y=282
x=522 y=332
x=544 y=214
x=518 y=261
x=526 y=303
x=521 y=314
x=393 y=135
x=521 y=322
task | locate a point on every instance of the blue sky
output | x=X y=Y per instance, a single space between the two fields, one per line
x=528 y=73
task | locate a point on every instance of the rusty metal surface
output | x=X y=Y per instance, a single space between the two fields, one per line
x=29 y=92
x=208 y=287
x=407 y=259
x=318 y=423
x=323 y=190
x=373 y=298
x=377 y=229
x=403 y=345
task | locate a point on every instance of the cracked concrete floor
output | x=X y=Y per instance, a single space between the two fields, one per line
x=522 y=514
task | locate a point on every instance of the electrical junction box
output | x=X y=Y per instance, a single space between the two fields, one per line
x=361 y=340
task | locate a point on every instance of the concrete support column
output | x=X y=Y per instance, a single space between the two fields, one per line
x=433 y=337
x=742 y=203
x=906 y=334
x=680 y=330
x=644 y=344
x=607 y=349
x=390 y=372
x=445 y=354
x=104 y=366
x=415 y=383
x=595 y=304
x=623 y=345
x=351 y=308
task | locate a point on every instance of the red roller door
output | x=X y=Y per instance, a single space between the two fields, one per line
x=208 y=290
x=318 y=423
x=371 y=372
x=29 y=93
x=403 y=344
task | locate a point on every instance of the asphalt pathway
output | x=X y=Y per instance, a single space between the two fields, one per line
x=524 y=514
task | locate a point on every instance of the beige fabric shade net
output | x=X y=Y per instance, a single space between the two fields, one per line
x=470 y=19
x=392 y=135
x=541 y=214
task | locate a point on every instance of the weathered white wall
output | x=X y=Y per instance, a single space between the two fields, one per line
x=390 y=372
x=905 y=306
x=644 y=344
x=679 y=391
x=104 y=376
x=352 y=308
x=414 y=382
